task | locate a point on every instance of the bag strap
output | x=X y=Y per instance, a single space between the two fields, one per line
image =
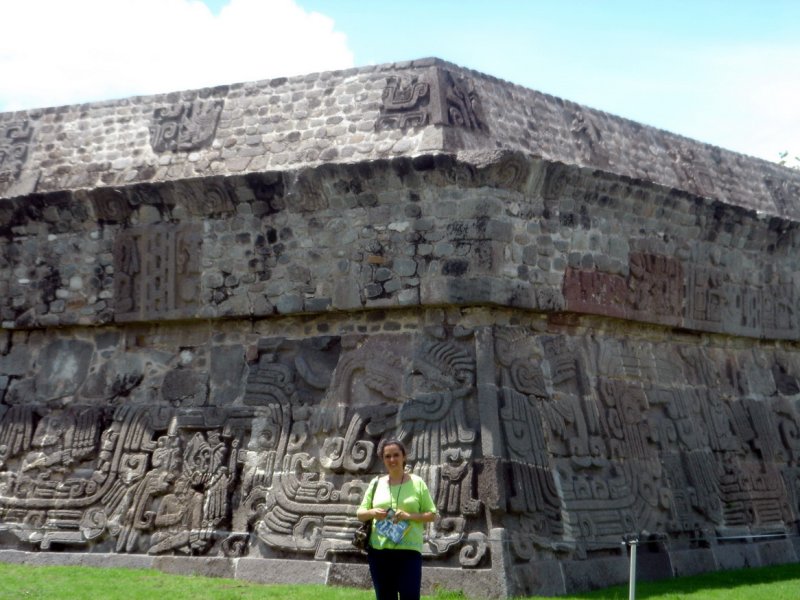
x=371 y=490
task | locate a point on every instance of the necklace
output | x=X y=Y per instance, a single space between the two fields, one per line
x=396 y=498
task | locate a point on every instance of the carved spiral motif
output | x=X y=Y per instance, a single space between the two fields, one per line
x=473 y=550
x=332 y=452
x=361 y=455
x=234 y=545
x=93 y=522
x=522 y=546
x=325 y=493
x=34 y=520
x=456 y=117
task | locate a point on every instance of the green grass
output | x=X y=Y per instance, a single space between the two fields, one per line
x=19 y=582
x=767 y=583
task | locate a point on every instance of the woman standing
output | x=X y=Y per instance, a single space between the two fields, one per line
x=400 y=504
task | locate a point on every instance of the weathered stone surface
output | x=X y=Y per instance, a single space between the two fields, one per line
x=736 y=556
x=692 y=562
x=82 y=559
x=582 y=328
x=396 y=110
x=286 y=571
x=583 y=575
x=602 y=412
x=206 y=566
x=675 y=270
x=779 y=552
x=349 y=575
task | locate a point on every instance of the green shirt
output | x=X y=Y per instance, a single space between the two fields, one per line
x=411 y=496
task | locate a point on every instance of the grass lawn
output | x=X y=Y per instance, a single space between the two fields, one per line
x=19 y=582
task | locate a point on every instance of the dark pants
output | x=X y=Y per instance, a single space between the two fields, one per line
x=395 y=572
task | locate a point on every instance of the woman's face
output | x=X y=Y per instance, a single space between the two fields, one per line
x=393 y=457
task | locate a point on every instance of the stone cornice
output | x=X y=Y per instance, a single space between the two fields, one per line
x=355 y=115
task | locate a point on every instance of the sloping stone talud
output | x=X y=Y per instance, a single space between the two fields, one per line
x=216 y=303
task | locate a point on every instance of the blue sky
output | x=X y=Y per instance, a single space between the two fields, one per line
x=723 y=72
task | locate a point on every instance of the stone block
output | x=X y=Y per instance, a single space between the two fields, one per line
x=317 y=304
x=346 y=293
x=271 y=570
x=404 y=267
x=289 y=303
x=350 y=575
x=584 y=575
x=15 y=557
x=537 y=578
x=207 y=566
x=473 y=583
x=16 y=362
x=736 y=556
x=778 y=552
x=75 y=559
x=692 y=562
x=653 y=561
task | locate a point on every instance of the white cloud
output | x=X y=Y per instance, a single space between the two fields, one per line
x=762 y=83
x=63 y=52
x=743 y=97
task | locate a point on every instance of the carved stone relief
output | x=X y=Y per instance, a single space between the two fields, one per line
x=628 y=455
x=137 y=476
x=404 y=104
x=157 y=271
x=673 y=292
x=656 y=284
x=210 y=197
x=281 y=471
x=785 y=193
x=461 y=102
x=110 y=205
x=185 y=126
x=691 y=173
x=600 y=437
x=588 y=138
x=323 y=407
x=15 y=140
x=712 y=300
x=436 y=97
x=524 y=410
x=593 y=291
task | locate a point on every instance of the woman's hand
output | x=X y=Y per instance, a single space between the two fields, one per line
x=401 y=515
x=368 y=514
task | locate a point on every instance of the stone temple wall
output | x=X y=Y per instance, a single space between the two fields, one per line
x=215 y=304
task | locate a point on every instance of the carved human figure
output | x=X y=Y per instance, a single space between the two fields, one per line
x=61 y=439
x=179 y=519
x=432 y=422
x=132 y=516
x=48 y=439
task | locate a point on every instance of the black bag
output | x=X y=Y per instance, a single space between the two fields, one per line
x=361 y=536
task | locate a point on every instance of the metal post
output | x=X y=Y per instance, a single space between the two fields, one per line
x=632 y=576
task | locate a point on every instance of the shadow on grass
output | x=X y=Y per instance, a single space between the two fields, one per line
x=700 y=585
